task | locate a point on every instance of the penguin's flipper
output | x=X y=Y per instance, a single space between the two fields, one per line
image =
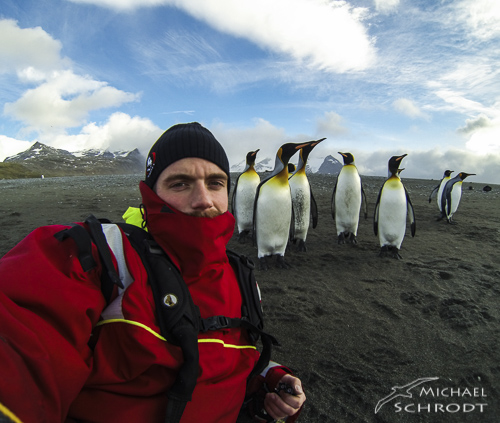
x=233 y=197
x=333 y=198
x=291 y=231
x=365 y=203
x=314 y=209
x=411 y=213
x=254 y=231
x=375 y=215
x=434 y=191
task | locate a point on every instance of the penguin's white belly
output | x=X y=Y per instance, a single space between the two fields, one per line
x=301 y=201
x=347 y=202
x=273 y=218
x=245 y=197
x=456 y=195
x=392 y=217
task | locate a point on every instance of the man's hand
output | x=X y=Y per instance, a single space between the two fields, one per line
x=280 y=405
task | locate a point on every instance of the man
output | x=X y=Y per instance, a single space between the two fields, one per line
x=51 y=302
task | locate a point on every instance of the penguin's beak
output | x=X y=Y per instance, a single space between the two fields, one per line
x=315 y=143
x=464 y=175
x=401 y=157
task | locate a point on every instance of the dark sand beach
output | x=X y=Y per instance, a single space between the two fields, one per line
x=351 y=324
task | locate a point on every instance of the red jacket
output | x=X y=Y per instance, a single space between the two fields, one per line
x=49 y=306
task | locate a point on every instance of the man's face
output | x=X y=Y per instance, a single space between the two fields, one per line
x=194 y=186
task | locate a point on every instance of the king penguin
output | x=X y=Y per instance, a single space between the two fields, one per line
x=450 y=199
x=273 y=209
x=244 y=196
x=303 y=202
x=392 y=206
x=348 y=195
x=438 y=189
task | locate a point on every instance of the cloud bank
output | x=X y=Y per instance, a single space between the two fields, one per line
x=322 y=34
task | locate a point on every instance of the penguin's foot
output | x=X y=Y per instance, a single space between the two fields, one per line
x=242 y=236
x=347 y=238
x=394 y=252
x=452 y=222
x=281 y=263
x=263 y=263
x=390 y=251
x=302 y=246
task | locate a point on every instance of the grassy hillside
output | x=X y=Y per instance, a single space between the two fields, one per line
x=16 y=171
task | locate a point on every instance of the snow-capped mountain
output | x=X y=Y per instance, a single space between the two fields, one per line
x=50 y=161
x=327 y=166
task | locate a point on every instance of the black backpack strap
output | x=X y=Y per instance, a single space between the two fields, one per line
x=83 y=242
x=252 y=318
x=178 y=316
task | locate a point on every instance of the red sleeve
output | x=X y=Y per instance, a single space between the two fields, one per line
x=48 y=307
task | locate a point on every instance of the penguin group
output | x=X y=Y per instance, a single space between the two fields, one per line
x=450 y=197
x=279 y=210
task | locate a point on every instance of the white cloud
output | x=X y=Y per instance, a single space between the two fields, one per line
x=431 y=164
x=120 y=132
x=64 y=101
x=457 y=102
x=10 y=146
x=27 y=47
x=386 y=6
x=408 y=108
x=60 y=98
x=239 y=141
x=483 y=133
x=481 y=17
x=330 y=124
x=325 y=34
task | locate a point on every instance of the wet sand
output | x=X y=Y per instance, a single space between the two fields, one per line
x=351 y=324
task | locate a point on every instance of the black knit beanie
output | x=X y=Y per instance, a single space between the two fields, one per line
x=182 y=141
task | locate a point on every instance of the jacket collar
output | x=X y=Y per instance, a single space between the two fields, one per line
x=197 y=245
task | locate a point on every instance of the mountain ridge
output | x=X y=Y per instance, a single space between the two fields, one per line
x=46 y=161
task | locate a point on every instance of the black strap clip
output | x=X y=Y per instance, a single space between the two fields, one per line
x=214 y=323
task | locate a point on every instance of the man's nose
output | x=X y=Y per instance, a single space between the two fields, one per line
x=201 y=198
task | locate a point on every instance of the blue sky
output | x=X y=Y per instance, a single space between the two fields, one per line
x=375 y=77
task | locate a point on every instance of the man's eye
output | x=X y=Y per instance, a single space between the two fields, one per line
x=178 y=185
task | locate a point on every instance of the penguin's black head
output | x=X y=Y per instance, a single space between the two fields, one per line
x=308 y=147
x=463 y=175
x=394 y=163
x=286 y=151
x=348 y=158
x=291 y=168
x=448 y=173
x=251 y=156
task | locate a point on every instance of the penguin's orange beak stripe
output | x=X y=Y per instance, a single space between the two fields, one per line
x=301 y=146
